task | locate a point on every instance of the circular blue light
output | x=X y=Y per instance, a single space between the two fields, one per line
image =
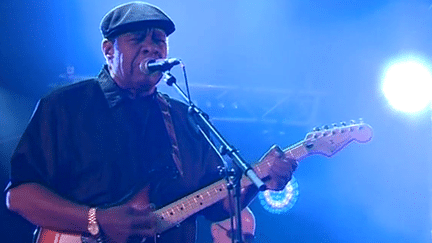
x=278 y=202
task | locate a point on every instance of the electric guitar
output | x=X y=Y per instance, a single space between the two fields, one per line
x=326 y=141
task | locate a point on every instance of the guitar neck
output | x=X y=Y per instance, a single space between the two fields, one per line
x=176 y=212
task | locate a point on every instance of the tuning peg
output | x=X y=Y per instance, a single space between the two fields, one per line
x=361 y=121
x=326 y=127
x=344 y=124
x=326 y=133
x=316 y=129
x=353 y=122
x=335 y=125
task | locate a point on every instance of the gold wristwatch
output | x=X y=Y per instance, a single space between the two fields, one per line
x=93 y=226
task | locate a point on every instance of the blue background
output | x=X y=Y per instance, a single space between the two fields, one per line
x=266 y=72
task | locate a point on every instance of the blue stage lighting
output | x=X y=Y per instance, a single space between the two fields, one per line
x=278 y=202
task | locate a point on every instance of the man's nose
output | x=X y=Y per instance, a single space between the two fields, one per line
x=151 y=49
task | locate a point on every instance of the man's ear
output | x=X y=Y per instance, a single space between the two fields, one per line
x=108 y=50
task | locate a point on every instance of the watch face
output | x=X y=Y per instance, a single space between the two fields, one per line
x=93 y=229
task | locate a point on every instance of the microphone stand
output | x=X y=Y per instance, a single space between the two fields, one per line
x=202 y=119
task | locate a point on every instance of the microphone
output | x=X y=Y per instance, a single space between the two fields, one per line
x=161 y=65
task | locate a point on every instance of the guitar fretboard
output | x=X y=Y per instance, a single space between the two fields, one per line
x=175 y=213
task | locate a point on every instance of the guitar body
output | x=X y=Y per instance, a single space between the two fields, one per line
x=223 y=233
x=51 y=236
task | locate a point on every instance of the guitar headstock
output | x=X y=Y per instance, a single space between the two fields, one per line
x=329 y=140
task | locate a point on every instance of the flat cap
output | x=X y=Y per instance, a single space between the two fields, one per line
x=134 y=16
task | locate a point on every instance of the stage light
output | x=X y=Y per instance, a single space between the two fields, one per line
x=407 y=85
x=278 y=202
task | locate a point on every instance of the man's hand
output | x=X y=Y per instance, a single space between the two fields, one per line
x=122 y=222
x=281 y=170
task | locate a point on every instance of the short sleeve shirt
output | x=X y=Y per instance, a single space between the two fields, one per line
x=92 y=144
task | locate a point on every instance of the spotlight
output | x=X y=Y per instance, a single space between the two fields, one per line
x=407 y=85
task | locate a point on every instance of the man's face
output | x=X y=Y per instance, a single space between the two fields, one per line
x=125 y=54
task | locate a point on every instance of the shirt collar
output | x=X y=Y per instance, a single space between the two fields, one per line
x=113 y=93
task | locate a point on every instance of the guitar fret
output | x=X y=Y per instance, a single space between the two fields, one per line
x=298 y=151
x=291 y=153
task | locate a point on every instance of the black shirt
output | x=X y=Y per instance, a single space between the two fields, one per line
x=92 y=144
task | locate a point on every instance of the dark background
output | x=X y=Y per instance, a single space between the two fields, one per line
x=267 y=72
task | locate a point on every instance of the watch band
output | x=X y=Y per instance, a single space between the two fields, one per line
x=93 y=226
